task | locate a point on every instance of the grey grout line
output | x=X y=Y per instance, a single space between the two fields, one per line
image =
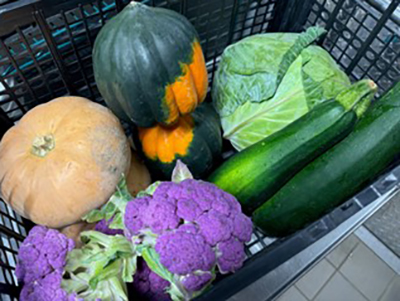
x=300 y=291
x=352 y=284
x=379 y=248
x=337 y=269
x=387 y=287
x=347 y=256
x=327 y=281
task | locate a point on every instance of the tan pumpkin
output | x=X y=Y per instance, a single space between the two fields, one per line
x=63 y=159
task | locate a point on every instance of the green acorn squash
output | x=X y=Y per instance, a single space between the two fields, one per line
x=149 y=65
x=195 y=139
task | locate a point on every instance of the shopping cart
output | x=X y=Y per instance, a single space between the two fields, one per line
x=45 y=52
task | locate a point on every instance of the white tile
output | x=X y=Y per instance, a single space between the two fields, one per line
x=367 y=272
x=315 y=279
x=380 y=249
x=338 y=289
x=292 y=294
x=342 y=251
x=392 y=293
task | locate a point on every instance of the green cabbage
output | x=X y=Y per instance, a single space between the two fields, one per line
x=266 y=81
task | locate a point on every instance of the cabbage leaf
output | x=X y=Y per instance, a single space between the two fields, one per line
x=267 y=81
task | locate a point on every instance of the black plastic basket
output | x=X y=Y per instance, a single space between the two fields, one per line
x=45 y=52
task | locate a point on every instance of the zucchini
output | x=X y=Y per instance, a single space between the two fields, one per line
x=339 y=173
x=256 y=173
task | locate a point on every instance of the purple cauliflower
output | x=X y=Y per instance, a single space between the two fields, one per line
x=186 y=230
x=51 y=269
x=41 y=261
x=194 y=227
x=147 y=285
x=103 y=227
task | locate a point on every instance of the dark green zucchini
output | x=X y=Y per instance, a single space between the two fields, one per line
x=339 y=173
x=256 y=173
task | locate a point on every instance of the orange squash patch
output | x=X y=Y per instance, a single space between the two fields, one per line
x=165 y=143
x=173 y=112
x=199 y=71
x=189 y=89
x=185 y=91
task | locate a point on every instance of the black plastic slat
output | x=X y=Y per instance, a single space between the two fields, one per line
x=265 y=20
x=183 y=7
x=15 y=65
x=76 y=53
x=291 y=15
x=99 y=6
x=53 y=50
x=35 y=62
x=11 y=93
x=334 y=15
x=11 y=233
x=85 y=23
x=381 y=22
x=16 y=14
x=5 y=123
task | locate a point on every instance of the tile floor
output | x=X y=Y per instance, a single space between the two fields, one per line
x=351 y=272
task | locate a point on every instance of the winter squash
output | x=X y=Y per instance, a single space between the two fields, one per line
x=73 y=231
x=195 y=140
x=138 y=177
x=63 y=159
x=149 y=65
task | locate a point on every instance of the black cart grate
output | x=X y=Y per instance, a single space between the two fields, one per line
x=45 y=52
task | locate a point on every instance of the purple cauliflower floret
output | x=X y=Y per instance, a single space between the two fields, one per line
x=41 y=261
x=103 y=227
x=46 y=289
x=215 y=227
x=188 y=210
x=147 y=285
x=182 y=252
x=230 y=255
x=160 y=215
x=42 y=252
x=134 y=215
x=194 y=227
x=242 y=227
x=195 y=282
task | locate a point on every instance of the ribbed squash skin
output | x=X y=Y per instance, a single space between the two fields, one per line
x=149 y=65
x=195 y=140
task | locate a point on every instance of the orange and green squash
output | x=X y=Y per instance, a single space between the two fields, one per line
x=63 y=159
x=195 y=139
x=149 y=65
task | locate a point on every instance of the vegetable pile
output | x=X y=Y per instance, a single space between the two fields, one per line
x=288 y=151
x=179 y=234
x=307 y=140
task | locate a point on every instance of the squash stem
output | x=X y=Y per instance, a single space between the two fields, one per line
x=358 y=96
x=42 y=145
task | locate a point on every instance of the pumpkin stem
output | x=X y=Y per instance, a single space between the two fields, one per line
x=42 y=145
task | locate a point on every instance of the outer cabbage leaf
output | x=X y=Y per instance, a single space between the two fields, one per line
x=267 y=81
x=252 y=122
x=252 y=69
